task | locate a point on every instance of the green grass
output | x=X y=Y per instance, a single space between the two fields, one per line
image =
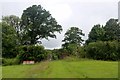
x=0 y=72
x=67 y=68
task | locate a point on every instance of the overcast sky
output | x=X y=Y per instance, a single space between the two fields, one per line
x=68 y=13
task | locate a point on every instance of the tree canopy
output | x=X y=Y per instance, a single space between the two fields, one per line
x=112 y=30
x=96 y=34
x=36 y=24
x=19 y=36
x=73 y=36
x=13 y=21
x=9 y=40
x=109 y=32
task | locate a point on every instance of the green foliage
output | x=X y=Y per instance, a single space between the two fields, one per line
x=71 y=58
x=9 y=40
x=72 y=49
x=81 y=52
x=103 y=50
x=13 y=21
x=37 y=23
x=56 y=54
x=73 y=36
x=112 y=30
x=109 y=32
x=72 y=41
x=0 y=50
x=62 y=53
x=76 y=50
x=49 y=54
x=53 y=54
x=96 y=34
x=12 y=61
x=31 y=52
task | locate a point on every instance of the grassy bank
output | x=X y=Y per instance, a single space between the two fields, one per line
x=67 y=68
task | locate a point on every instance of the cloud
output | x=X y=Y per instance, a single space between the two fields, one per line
x=61 y=12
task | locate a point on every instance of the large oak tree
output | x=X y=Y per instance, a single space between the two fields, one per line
x=36 y=24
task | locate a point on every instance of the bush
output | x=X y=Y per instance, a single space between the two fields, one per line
x=11 y=61
x=75 y=50
x=49 y=54
x=31 y=52
x=81 y=52
x=100 y=50
x=72 y=49
x=53 y=54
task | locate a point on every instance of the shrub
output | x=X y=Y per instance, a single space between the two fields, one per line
x=108 y=50
x=31 y=52
x=75 y=50
x=53 y=54
x=81 y=52
x=48 y=54
x=10 y=61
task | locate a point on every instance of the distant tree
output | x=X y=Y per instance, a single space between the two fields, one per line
x=112 y=30
x=9 y=40
x=36 y=24
x=13 y=21
x=73 y=36
x=0 y=40
x=109 y=32
x=96 y=34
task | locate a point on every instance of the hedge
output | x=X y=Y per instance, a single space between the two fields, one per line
x=31 y=52
x=107 y=50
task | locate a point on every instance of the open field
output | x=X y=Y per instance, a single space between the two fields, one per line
x=63 y=69
x=0 y=71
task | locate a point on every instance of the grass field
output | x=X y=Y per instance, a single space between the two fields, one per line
x=0 y=71
x=66 y=68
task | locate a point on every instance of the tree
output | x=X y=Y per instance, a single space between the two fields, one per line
x=73 y=36
x=96 y=34
x=0 y=41
x=112 y=30
x=9 y=40
x=109 y=32
x=13 y=21
x=36 y=24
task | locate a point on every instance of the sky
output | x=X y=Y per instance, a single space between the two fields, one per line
x=119 y=11
x=83 y=14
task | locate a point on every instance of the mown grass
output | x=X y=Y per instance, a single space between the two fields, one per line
x=67 y=68
x=0 y=71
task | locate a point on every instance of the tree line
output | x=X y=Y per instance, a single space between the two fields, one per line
x=20 y=37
